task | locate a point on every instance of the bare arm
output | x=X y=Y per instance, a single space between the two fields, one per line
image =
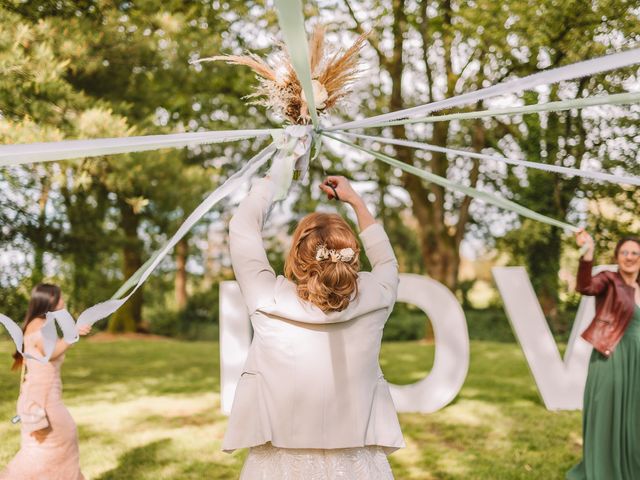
x=365 y=218
x=61 y=346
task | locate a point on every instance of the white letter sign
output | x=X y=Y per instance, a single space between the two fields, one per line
x=560 y=382
x=427 y=395
x=451 y=338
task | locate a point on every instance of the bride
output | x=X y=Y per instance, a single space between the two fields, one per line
x=312 y=401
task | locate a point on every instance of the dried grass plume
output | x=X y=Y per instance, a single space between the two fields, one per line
x=333 y=72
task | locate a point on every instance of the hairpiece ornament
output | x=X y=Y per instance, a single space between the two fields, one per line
x=333 y=72
x=343 y=255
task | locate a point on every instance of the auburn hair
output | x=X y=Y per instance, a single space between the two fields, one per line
x=327 y=284
x=44 y=298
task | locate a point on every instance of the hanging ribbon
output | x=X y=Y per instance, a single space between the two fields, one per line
x=62 y=318
x=68 y=149
x=456 y=187
x=617 y=99
x=293 y=145
x=568 y=72
x=294 y=148
x=101 y=310
x=572 y=172
x=295 y=38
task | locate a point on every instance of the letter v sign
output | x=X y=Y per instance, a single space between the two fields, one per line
x=560 y=381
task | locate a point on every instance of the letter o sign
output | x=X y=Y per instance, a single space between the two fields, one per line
x=428 y=395
x=451 y=361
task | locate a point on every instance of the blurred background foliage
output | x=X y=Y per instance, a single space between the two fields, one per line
x=98 y=68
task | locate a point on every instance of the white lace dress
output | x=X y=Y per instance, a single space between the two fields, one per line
x=267 y=462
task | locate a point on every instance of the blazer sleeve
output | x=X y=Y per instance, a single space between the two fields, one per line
x=588 y=284
x=248 y=256
x=383 y=261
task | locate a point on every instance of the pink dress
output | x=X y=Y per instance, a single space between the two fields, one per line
x=54 y=454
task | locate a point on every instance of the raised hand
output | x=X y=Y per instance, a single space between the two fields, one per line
x=583 y=238
x=84 y=330
x=585 y=241
x=342 y=187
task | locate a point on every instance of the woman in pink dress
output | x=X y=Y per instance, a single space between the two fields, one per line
x=49 y=439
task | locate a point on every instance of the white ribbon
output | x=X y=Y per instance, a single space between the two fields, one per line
x=458 y=187
x=62 y=318
x=568 y=72
x=293 y=145
x=607 y=177
x=294 y=148
x=560 y=105
x=101 y=310
x=51 y=151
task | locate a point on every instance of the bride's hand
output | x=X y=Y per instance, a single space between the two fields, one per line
x=342 y=188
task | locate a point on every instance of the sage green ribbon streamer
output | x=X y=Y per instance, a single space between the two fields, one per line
x=448 y=184
x=133 y=279
x=573 y=172
x=295 y=38
x=617 y=99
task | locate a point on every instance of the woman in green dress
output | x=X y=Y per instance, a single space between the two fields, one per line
x=611 y=412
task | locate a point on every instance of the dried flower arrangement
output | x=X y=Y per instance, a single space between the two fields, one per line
x=332 y=73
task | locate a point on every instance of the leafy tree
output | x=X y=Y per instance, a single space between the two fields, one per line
x=560 y=34
x=133 y=77
x=433 y=50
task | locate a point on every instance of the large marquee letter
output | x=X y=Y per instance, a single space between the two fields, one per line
x=235 y=338
x=451 y=361
x=428 y=395
x=560 y=382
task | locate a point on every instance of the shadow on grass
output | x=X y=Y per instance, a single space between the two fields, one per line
x=136 y=462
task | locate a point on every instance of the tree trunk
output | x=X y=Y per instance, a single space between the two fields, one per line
x=438 y=244
x=542 y=252
x=40 y=244
x=129 y=317
x=182 y=252
x=439 y=241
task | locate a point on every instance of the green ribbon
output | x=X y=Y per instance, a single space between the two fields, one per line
x=295 y=38
x=617 y=99
x=448 y=184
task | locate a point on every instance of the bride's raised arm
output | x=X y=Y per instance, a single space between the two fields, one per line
x=249 y=259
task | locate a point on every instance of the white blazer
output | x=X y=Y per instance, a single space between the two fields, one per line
x=311 y=380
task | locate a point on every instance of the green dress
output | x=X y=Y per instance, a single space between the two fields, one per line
x=611 y=414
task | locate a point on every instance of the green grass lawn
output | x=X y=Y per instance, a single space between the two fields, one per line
x=150 y=410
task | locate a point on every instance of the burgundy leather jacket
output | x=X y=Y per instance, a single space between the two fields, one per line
x=615 y=302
